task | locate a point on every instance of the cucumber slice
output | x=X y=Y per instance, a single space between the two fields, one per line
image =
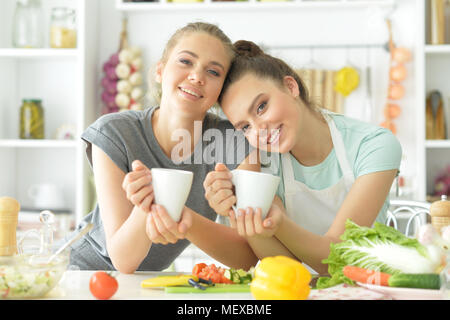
x=246 y=279
x=228 y=274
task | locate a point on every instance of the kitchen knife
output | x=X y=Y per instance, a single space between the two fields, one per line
x=217 y=288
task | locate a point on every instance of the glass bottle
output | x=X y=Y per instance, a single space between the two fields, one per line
x=28 y=24
x=31 y=119
x=63 y=32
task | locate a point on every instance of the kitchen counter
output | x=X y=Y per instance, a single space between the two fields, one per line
x=75 y=286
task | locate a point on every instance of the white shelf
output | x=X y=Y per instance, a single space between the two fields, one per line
x=38 y=53
x=250 y=5
x=65 y=80
x=437 y=49
x=37 y=143
x=434 y=144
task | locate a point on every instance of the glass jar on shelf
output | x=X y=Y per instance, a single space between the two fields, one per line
x=63 y=33
x=31 y=119
x=28 y=25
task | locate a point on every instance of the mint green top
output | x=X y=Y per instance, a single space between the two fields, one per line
x=369 y=149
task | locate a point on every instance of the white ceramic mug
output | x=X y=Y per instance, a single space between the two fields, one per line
x=47 y=196
x=254 y=189
x=171 y=189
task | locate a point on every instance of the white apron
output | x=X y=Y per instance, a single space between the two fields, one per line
x=315 y=210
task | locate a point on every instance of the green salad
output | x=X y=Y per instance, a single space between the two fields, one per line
x=19 y=279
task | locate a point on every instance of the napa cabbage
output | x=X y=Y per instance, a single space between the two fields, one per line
x=381 y=248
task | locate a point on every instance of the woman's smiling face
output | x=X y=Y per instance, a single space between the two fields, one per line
x=193 y=75
x=267 y=113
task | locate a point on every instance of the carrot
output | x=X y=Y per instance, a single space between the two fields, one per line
x=198 y=268
x=366 y=276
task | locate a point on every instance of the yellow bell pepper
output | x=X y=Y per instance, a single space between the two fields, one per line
x=280 y=278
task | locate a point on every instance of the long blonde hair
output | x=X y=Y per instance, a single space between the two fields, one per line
x=154 y=89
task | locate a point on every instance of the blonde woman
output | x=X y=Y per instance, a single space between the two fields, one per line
x=131 y=232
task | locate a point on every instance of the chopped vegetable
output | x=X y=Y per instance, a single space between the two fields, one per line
x=280 y=278
x=198 y=268
x=420 y=281
x=221 y=275
x=380 y=248
x=366 y=276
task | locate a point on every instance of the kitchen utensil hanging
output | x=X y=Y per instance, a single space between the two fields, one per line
x=347 y=78
x=320 y=83
x=435 y=122
x=368 y=106
x=313 y=75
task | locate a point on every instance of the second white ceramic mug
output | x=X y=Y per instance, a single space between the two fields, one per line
x=254 y=189
x=47 y=196
x=171 y=189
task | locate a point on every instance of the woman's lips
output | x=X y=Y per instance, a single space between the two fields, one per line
x=190 y=93
x=274 y=136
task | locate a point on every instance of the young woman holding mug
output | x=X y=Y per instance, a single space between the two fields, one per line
x=332 y=167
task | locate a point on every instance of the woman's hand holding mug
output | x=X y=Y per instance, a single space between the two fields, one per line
x=138 y=187
x=161 y=228
x=160 y=225
x=249 y=223
x=219 y=190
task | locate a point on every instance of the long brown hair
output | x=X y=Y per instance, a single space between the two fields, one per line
x=250 y=58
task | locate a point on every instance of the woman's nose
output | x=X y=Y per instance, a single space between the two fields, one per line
x=196 y=76
x=261 y=129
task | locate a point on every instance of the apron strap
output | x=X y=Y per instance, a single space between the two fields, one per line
x=341 y=155
x=340 y=151
x=288 y=173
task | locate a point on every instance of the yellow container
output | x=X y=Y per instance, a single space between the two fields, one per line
x=63 y=32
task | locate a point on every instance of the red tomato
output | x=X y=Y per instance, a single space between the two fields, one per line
x=102 y=285
x=198 y=268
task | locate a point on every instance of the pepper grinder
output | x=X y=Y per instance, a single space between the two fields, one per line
x=440 y=213
x=9 y=217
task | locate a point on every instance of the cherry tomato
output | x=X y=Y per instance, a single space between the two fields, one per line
x=102 y=285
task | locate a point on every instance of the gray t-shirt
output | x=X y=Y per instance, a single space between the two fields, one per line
x=128 y=136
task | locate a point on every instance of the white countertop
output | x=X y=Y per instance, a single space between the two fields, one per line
x=75 y=286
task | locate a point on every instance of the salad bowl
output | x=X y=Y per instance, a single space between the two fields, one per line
x=28 y=275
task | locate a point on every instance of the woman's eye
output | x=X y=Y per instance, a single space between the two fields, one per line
x=214 y=73
x=261 y=107
x=185 y=61
x=245 y=128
